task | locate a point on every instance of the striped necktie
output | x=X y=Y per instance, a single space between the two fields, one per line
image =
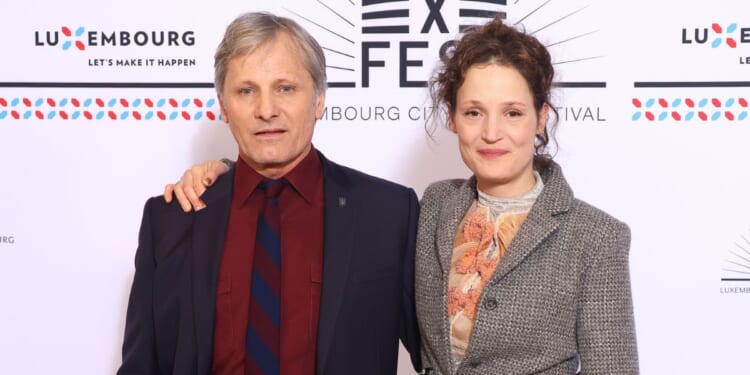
x=264 y=319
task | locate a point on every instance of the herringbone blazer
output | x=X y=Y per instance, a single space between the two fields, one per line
x=559 y=298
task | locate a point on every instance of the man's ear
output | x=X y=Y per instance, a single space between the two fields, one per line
x=320 y=105
x=223 y=109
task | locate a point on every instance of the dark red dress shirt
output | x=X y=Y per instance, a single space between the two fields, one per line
x=301 y=268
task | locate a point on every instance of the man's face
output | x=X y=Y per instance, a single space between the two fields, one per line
x=270 y=104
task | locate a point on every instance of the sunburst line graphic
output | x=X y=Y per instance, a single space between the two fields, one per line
x=571 y=38
x=337 y=52
x=747 y=242
x=565 y=40
x=336 y=13
x=319 y=25
x=339 y=68
x=738 y=262
x=577 y=60
x=532 y=12
x=500 y=2
x=558 y=20
x=332 y=29
x=740 y=256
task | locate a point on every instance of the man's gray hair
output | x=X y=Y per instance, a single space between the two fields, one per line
x=250 y=30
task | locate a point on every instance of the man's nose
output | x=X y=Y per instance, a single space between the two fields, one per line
x=267 y=107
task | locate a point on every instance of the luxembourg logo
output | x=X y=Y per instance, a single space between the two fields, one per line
x=81 y=39
x=88 y=42
x=7 y=240
x=717 y=35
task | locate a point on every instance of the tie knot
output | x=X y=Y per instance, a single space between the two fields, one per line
x=272 y=188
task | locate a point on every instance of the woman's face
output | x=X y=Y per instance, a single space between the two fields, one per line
x=496 y=125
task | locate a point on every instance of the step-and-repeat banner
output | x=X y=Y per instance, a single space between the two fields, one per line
x=102 y=103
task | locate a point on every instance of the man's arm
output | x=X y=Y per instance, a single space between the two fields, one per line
x=409 y=327
x=138 y=348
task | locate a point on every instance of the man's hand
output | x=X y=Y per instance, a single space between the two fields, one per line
x=194 y=183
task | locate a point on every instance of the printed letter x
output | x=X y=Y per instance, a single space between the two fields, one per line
x=434 y=16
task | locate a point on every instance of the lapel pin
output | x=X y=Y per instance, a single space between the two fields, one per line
x=342 y=201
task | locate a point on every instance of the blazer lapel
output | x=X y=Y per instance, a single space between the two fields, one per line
x=339 y=215
x=451 y=214
x=450 y=217
x=541 y=222
x=209 y=232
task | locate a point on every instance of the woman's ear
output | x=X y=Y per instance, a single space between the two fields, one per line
x=542 y=119
x=451 y=119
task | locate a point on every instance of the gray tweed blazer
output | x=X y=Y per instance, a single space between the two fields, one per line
x=559 y=298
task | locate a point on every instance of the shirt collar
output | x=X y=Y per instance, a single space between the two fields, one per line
x=305 y=178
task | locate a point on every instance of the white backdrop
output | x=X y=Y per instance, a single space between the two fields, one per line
x=656 y=136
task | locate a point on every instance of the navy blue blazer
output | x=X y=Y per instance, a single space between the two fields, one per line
x=367 y=300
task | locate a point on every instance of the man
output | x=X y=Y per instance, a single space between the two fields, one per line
x=316 y=279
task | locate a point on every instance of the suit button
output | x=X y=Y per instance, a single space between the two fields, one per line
x=490 y=304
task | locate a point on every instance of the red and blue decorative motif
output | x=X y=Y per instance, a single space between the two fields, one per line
x=164 y=109
x=690 y=109
x=73 y=38
x=727 y=38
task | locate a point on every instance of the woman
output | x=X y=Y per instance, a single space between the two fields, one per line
x=514 y=275
x=531 y=279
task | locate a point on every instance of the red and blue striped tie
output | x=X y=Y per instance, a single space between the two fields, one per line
x=264 y=320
